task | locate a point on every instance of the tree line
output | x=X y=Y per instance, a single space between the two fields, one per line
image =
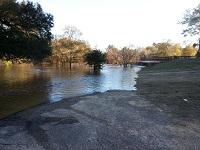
x=130 y=55
x=25 y=34
x=68 y=49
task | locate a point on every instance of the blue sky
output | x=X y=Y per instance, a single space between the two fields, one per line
x=121 y=22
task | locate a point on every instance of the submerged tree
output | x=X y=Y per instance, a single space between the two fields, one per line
x=126 y=55
x=72 y=34
x=95 y=59
x=25 y=31
x=112 y=55
x=69 y=51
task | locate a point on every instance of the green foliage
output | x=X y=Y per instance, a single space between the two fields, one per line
x=128 y=55
x=112 y=55
x=125 y=56
x=167 y=49
x=189 y=51
x=95 y=59
x=175 y=65
x=24 y=31
x=192 y=20
x=66 y=50
x=150 y=52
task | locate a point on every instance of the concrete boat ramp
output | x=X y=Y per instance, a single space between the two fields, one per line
x=117 y=120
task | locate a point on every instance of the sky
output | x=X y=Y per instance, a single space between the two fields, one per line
x=121 y=22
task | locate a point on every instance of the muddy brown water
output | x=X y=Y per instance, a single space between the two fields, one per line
x=24 y=86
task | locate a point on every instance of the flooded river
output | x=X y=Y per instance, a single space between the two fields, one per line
x=24 y=86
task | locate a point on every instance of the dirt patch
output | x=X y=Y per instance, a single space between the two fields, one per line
x=175 y=92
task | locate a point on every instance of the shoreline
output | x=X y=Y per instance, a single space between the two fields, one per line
x=148 y=118
x=27 y=90
x=175 y=91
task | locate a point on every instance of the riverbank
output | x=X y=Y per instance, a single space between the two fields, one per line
x=177 y=92
x=173 y=86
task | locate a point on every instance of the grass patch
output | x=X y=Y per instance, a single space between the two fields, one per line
x=175 y=65
x=168 y=85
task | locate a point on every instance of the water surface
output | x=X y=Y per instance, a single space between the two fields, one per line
x=24 y=86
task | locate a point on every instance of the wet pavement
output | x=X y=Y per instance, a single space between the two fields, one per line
x=115 y=120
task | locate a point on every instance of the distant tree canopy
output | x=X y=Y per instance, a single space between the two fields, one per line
x=125 y=56
x=72 y=32
x=129 y=55
x=112 y=55
x=66 y=50
x=25 y=31
x=95 y=58
x=167 y=49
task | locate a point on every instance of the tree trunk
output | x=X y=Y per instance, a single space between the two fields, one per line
x=198 y=52
x=70 y=60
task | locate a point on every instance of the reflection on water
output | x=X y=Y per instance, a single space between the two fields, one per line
x=79 y=82
x=27 y=84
